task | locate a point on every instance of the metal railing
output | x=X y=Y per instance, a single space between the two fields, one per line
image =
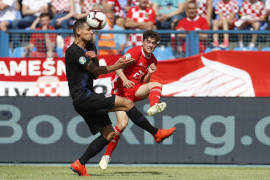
x=190 y=43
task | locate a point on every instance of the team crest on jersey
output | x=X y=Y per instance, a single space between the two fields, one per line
x=82 y=60
x=141 y=64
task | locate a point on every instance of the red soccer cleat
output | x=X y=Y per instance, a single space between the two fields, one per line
x=163 y=134
x=78 y=168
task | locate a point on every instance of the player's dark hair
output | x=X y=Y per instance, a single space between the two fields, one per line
x=79 y=23
x=151 y=34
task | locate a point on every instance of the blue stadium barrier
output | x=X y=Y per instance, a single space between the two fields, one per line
x=245 y=49
x=265 y=49
x=163 y=53
x=192 y=40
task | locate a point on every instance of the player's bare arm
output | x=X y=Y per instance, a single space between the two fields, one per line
x=97 y=70
x=126 y=82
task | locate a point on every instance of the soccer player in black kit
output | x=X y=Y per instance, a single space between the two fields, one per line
x=82 y=68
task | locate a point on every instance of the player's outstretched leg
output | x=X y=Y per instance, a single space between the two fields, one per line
x=107 y=134
x=138 y=119
x=106 y=158
x=122 y=122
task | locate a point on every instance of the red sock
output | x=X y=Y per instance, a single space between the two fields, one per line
x=112 y=145
x=154 y=95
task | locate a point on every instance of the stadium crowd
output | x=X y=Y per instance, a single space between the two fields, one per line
x=132 y=14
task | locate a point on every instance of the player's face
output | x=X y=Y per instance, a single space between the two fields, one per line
x=149 y=45
x=85 y=32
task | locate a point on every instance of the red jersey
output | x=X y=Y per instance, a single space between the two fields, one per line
x=38 y=39
x=198 y=23
x=136 y=71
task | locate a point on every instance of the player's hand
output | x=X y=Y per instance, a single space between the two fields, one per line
x=91 y=54
x=152 y=68
x=128 y=84
x=123 y=62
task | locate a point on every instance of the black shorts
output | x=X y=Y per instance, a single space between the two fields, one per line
x=94 y=110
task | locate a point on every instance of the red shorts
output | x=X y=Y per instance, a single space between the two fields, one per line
x=128 y=93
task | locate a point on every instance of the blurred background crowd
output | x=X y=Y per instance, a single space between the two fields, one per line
x=187 y=15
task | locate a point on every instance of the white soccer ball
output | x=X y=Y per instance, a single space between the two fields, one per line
x=96 y=20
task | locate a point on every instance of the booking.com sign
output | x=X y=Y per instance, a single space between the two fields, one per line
x=217 y=145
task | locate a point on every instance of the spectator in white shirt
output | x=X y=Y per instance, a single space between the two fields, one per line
x=267 y=9
x=7 y=13
x=31 y=9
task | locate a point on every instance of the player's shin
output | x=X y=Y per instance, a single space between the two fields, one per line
x=138 y=118
x=95 y=147
x=112 y=145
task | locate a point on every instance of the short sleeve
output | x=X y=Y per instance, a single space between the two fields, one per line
x=9 y=2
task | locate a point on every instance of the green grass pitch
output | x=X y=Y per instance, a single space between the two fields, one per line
x=39 y=172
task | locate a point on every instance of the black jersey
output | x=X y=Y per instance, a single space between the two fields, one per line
x=80 y=81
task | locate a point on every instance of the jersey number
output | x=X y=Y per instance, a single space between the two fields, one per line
x=138 y=75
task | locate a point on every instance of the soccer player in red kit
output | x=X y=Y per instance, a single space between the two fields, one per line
x=133 y=83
